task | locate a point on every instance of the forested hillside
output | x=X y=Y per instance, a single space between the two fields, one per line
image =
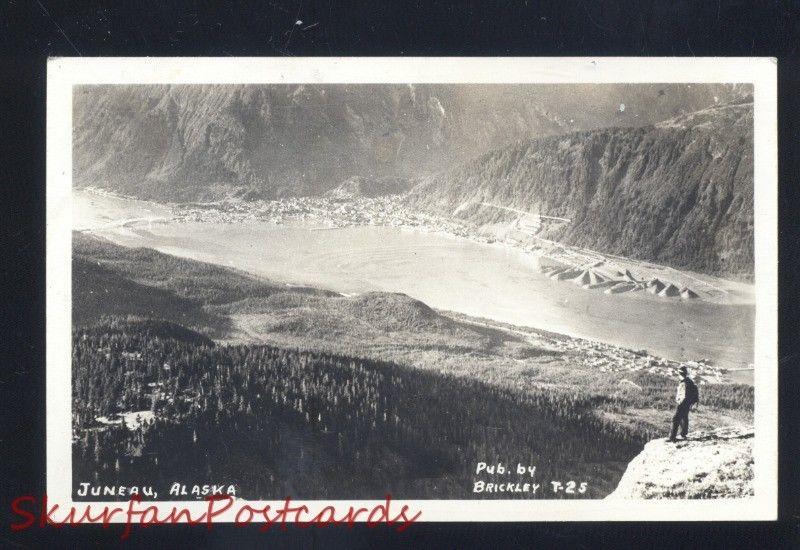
x=112 y=280
x=278 y=422
x=679 y=192
x=186 y=143
x=99 y=292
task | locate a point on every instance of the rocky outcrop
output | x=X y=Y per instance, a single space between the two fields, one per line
x=713 y=464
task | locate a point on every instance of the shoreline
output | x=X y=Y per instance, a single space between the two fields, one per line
x=389 y=211
x=244 y=214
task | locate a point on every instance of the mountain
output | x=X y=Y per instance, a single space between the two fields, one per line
x=709 y=464
x=197 y=142
x=678 y=192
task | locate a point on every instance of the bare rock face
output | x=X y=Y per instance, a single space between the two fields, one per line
x=715 y=464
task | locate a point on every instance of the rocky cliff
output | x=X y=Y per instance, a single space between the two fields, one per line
x=679 y=192
x=203 y=141
x=713 y=464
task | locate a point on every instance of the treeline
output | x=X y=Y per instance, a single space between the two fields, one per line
x=279 y=422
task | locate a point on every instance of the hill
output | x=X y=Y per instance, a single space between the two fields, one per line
x=368 y=313
x=679 y=192
x=202 y=142
x=709 y=464
x=390 y=311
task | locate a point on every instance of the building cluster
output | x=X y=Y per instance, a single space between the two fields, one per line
x=327 y=212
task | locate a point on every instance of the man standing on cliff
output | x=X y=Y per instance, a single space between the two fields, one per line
x=686 y=398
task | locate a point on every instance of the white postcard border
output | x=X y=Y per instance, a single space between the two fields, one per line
x=64 y=73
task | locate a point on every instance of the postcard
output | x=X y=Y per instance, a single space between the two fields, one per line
x=447 y=289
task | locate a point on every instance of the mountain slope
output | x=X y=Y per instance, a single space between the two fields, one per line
x=111 y=281
x=359 y=186
x=678 y=192
x=99 y=292
x=197 y=142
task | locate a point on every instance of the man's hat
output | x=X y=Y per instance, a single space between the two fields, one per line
x=683 y=370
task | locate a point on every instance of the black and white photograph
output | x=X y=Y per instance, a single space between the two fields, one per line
x=522 y=287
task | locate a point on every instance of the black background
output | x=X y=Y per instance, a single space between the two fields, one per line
x=32 y=31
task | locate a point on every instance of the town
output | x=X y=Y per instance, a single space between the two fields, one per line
x=325 y=211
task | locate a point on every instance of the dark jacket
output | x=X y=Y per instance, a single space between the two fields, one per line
x=687 y=392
